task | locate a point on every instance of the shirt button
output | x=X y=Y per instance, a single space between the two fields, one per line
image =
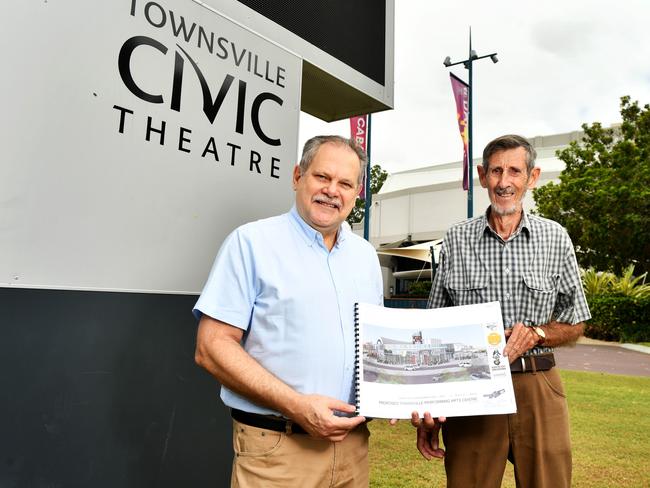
x=507 y=271
x=507 y=296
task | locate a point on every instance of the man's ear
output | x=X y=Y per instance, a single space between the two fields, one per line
x=296 y=176
x=534 y=176
x=359 y=188
x=482 y=176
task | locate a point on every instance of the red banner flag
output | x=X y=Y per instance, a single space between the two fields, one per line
x=461 y=95
x=358 y=133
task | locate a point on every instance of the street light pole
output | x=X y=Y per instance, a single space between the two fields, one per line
x=467 y=63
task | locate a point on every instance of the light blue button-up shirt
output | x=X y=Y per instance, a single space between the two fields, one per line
x=276 y=280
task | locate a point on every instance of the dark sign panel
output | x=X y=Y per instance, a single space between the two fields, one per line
x=353 y=32
x=346 y=48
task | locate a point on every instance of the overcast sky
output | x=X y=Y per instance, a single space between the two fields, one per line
x=561 y=63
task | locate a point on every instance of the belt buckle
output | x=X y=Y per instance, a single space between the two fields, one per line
x=288 y=427
x=523 y=364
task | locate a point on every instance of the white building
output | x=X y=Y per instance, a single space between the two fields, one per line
x=393 y=351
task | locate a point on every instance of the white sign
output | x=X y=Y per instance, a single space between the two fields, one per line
x=135 y=136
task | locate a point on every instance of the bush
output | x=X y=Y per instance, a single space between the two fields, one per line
x=631 y=286
x=597 y=282
x=617 y=317
x=619 y=305
x=419 y=289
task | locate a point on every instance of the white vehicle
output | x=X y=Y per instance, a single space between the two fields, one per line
x=465 y=364
x=410 y=367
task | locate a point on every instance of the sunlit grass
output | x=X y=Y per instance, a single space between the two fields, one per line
x=610 y=425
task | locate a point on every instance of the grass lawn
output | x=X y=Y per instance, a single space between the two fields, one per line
x=610 y=430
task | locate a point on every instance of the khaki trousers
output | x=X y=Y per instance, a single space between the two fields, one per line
x=535 y=439
x=268 y=459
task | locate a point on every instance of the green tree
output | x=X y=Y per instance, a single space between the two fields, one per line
x=603 y=198
x=377 y=178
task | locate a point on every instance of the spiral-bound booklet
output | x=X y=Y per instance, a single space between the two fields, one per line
x=446 y=361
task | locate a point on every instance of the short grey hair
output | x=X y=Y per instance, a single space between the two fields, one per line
x=509 y=141
x=313 y=145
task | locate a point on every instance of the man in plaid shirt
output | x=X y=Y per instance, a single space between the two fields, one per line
x=528 y=264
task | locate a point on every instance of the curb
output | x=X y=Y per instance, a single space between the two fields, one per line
x=636 y=347
x=586 y=341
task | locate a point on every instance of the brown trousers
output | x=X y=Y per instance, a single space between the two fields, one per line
x=269 y=459
x=535 y=439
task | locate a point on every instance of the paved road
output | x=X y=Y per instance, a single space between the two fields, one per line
x=604 y=359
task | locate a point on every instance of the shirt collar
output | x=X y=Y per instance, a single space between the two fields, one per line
x=484 y=226
x=310 y=234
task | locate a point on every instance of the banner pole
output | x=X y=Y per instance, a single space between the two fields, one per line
x=366 y=215
x=470 y=156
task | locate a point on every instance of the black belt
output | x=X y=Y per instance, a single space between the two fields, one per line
x=530 y=364
x=268 y=422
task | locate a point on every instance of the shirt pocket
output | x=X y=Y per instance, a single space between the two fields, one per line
x=538 y=300
x=468 y=291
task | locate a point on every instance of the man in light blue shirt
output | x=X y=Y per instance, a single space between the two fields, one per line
x=277 y=329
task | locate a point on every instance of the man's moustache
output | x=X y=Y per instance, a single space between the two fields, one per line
x=332 y=201
x=504 y=191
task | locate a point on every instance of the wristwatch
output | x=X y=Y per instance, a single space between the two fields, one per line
x=542 y=335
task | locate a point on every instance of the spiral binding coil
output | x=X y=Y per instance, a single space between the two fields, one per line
x=357 y=364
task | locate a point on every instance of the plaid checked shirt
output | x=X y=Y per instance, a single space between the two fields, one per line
x=534 y=274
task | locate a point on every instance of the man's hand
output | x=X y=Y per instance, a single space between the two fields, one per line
x=428 y=435
x=315 y=414
x=520 y=339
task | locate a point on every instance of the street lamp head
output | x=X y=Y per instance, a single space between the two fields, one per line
x=472 y=54
x=494 y=58
x=447 y=62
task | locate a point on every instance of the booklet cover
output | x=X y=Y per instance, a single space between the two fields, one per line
x=446 y=361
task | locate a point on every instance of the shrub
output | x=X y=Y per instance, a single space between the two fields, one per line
x=603 y=282
x=617 y=317
x=419 y=289
x=631 y=286
x=597 y=282
x=619 y=306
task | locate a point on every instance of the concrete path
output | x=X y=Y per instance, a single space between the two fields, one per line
x=605 y=357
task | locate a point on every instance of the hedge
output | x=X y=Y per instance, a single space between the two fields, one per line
x=619 y=318
x=420 y=289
